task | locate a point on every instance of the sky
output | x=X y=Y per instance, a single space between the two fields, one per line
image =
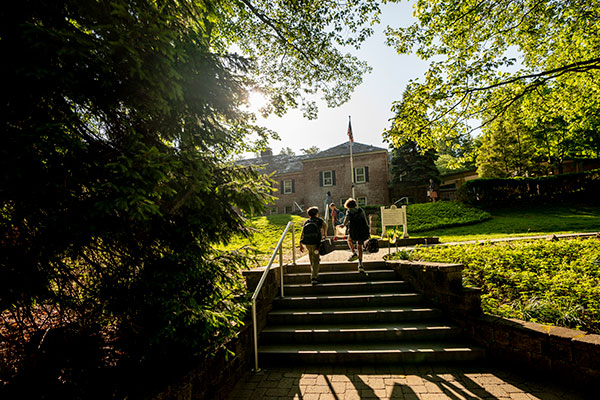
x=371 y=102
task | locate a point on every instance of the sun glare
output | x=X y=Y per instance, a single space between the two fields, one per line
x=256 y=101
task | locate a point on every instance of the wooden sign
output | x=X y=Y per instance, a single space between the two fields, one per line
x=394 y=216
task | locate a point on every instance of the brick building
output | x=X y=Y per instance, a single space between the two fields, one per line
x=303 y=181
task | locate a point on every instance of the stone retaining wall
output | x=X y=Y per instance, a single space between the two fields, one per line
x=565 y=353
x=441 y=284
x=214 y=378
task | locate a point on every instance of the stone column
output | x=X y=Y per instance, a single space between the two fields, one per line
x=373 y=221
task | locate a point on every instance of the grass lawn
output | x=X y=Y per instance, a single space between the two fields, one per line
x=525 y=221
x=267 y=231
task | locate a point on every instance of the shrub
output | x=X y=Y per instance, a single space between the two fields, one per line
x=540 y=281
x=495 y=192
x=442 y=214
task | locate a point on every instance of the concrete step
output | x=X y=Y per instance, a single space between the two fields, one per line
x=374 y=353
x=356 y=315
x=342 y=276
x=359 y=333
x=336 y=266
x=347 y=300
x=306 y=289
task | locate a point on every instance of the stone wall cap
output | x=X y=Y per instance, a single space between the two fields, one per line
x=565 y=333
x=428 y=264
x=488 y=318
x=588 y=339
x=525 y=325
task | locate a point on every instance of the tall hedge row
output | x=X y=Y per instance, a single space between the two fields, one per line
x=494 y=192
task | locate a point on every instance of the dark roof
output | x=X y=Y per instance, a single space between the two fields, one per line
x=281 y=163
x=344 y=149
x=284 y=164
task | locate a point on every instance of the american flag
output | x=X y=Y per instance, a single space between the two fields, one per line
x=350 y=132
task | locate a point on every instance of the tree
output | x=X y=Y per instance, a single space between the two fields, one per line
x=295 y=47
x=287 y=151
x=119 y=125
x=458 y=154
x=479 y=46
x=311 y=150
x=524 y=143
x=508 y=149
x=411 y=169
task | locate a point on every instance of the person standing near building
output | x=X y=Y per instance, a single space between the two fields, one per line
x=313 y=230
x=328 y=201
x=431 y=192
x=359 y=231
x=336 y=218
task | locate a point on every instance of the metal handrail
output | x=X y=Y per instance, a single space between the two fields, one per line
x=264 y=277
x=402 y=198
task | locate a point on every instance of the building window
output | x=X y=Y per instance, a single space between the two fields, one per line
x=287 y=209
x=288 y=186
x=327 y=178
x=361 y=174
x=362 y=201
x=272 y=210
x=342 y=201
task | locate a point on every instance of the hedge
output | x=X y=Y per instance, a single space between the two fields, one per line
x=494 y=192
x=428 y=216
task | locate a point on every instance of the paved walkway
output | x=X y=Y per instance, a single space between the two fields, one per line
x=398 y=382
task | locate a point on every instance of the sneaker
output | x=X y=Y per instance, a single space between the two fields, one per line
x=315 y=282
x=361 y=268
x=353 y=257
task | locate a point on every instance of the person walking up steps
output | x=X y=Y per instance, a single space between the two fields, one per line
x=313 y=230
x=359 y=231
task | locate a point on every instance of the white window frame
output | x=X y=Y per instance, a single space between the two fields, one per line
x=330 y=179
x=342 y=201
x=361 y=200
x=362 y=175
x=288 y=209
x=287 y=186
x=272 y=210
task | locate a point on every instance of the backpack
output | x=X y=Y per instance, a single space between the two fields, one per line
x=339 y=218
x=311 y=232
x=358 y=225
x=372 y=245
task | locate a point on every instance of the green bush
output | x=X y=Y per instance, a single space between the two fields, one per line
x=442 y=214
x=555 y=283
x=494 y=192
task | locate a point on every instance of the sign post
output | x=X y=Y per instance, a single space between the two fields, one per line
x=394 y=216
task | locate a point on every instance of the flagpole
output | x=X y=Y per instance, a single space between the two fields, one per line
x=350 y=134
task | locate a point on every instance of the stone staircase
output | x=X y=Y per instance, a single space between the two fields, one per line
x=357 y=318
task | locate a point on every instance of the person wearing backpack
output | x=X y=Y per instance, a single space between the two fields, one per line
x=359 y=231
x=313 y=230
